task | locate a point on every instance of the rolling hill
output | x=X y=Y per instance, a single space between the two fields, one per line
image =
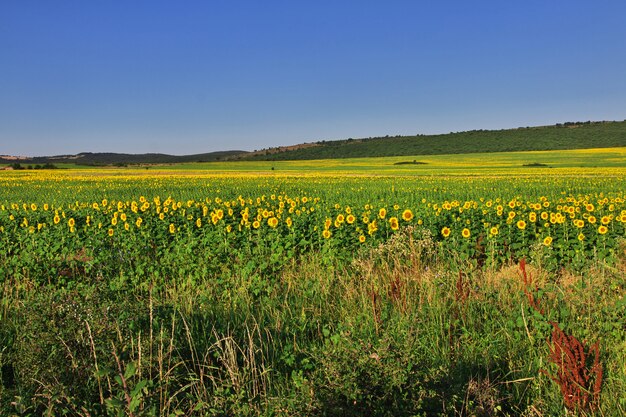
x=96 y=159
x=571 y=135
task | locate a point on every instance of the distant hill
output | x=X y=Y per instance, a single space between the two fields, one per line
x=97 y=159
x=570 y=135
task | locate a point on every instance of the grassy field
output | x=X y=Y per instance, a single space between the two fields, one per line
x=466 y=285
x=563 y=162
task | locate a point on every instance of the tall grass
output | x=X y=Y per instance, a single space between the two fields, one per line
x=399 y=329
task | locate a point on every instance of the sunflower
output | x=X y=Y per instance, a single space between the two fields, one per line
x=521 y=224
x=393 y=223
x=466 y=233
x=581 y=237
x=110 y=232
x=603 y=229
x=172 y=228
x=326 y=234
x=256 y=224
x=493 y=231
x=445 y=232
x=382 y=213
x=56 y=219
x=71 y=222
x=350 y=219
x=272 y=222
x=605 y=220
x=198 y=222
x=288 y=222
x=547 y=241
x=362 y=239
x=407 y=215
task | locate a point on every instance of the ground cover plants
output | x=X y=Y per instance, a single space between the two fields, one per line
x=128 y=292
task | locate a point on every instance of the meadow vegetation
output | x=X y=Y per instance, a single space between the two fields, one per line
x=345 y=293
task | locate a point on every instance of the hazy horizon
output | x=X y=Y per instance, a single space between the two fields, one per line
x=199 y=77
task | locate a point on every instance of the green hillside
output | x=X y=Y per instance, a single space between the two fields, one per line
x=571 y=135
x=108 y=158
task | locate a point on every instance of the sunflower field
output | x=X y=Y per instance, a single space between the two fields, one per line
x=195 y=293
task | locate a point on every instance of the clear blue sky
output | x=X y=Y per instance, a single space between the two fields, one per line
x=185 y=77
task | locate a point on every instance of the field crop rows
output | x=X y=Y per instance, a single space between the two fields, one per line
x=556 y=220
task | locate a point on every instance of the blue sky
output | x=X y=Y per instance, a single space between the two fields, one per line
x=185 y=77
